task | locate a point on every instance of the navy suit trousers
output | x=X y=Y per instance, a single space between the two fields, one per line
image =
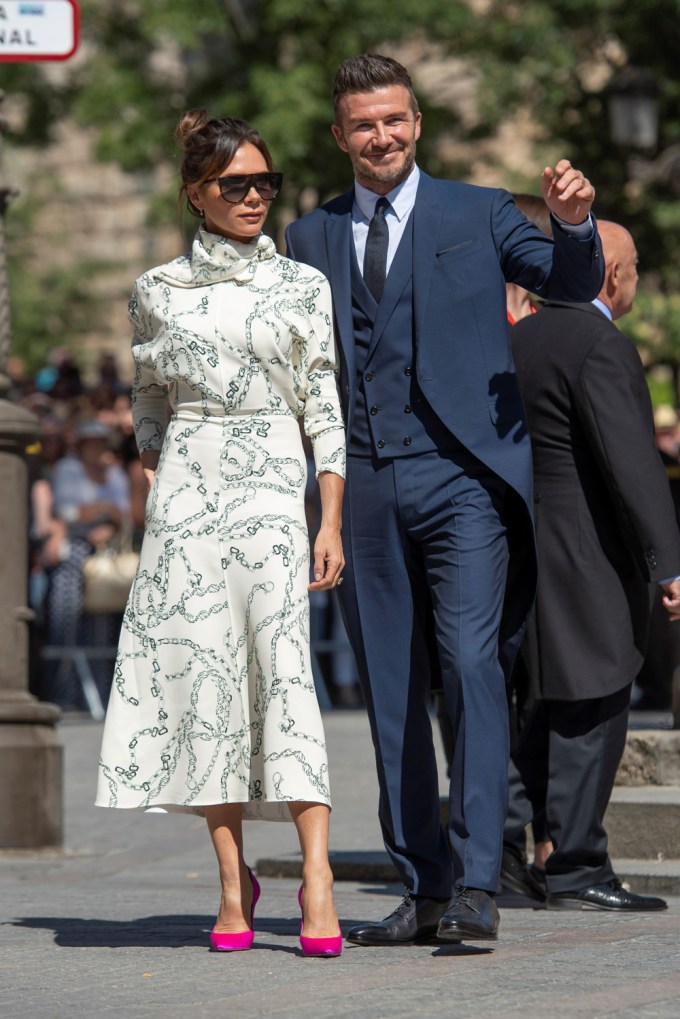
x=426 y=549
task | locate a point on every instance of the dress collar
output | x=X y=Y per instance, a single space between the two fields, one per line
x=214 y=259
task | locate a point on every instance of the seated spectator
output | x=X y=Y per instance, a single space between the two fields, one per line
x=91 y=497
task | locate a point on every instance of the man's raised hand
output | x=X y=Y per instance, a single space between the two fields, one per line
x=567 y=193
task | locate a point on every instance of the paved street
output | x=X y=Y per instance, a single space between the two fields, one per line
x=118 y=925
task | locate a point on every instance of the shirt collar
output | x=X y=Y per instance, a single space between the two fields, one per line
x=601 y=306
x=402 y=198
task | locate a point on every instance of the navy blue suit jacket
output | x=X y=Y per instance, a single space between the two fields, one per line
x=467 y=241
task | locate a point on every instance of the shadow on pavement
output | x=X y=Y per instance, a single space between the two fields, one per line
x=172 y=931
x=462 y=950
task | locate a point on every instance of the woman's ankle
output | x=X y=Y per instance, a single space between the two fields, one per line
x=317 y=875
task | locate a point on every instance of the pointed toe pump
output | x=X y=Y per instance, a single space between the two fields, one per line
x=237 y=941
x=321 y=947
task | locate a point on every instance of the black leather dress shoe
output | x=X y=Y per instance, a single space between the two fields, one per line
x=415 y=919
x=608 y=895
x=472 y=916
x=523 y=878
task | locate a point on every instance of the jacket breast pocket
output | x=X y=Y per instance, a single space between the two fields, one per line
x=463 y=250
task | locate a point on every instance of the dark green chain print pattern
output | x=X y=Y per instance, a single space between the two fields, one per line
x=213 y=698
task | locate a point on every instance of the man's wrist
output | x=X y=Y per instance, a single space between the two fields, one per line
x=582 y=231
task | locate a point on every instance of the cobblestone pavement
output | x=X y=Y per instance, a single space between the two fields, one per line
x=118 y=925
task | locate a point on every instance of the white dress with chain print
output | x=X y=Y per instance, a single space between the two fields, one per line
x=213 y=699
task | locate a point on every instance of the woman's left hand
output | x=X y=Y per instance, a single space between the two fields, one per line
x=328 y=559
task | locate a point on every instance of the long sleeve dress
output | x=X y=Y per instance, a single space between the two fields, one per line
x=213 y=699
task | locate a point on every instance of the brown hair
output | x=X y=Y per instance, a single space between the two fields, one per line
x=535 y=209
x=368 y=73
x=209 y=145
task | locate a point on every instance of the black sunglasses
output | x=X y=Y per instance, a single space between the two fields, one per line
x=235 y=187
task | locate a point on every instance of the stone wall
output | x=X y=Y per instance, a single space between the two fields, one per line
x=93 y=214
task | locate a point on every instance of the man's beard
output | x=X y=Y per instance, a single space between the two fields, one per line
x=393 y=177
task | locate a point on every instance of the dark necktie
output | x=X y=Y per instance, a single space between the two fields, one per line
x=375 y=257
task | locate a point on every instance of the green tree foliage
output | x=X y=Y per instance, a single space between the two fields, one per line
x=558 y=56
x=52 y=307
x=268 y=61
x=272 y=62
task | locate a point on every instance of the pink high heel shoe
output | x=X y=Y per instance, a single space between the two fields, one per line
x=238 y=941
x=324 y=947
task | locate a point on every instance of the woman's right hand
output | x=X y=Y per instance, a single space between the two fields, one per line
x=149 y=459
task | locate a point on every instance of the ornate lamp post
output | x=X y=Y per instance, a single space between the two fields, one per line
x=634 y=109
x=30 y=752
x=633 y=102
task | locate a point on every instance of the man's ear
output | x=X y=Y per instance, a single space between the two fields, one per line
x=614 y=274
x=339 y=137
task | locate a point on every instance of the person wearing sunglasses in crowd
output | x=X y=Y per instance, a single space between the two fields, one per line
x=213 y=710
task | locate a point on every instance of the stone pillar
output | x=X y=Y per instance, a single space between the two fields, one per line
x=30 y=753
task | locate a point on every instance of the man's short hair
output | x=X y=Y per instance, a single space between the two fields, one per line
x=369 y=72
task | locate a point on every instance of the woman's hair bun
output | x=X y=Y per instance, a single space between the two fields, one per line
x=189 y=124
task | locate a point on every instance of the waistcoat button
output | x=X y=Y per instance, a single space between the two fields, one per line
x=407 y=371
x=408 y=409
x=368 y=376
x=408 y=440
x=380 y=443
x=374 y=410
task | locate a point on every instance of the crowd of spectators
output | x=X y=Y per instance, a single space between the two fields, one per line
x=87 y=490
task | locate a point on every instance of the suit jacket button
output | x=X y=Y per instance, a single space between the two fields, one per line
x=408 y=409
x=380 y=443
x=407 y=371
x=374 y=410
x=369 y=376
x=408 y=440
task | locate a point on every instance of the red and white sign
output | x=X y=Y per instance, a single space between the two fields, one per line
x=38 y=30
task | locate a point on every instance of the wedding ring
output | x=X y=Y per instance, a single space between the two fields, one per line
x=339 y=581
x=582 y=181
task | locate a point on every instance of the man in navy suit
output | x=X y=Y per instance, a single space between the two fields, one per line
x=436 y=522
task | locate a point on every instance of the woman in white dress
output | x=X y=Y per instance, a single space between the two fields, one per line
x=213 y=709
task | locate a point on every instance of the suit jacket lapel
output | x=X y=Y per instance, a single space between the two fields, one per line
x=427 y=215
x=340 y=248
x=397 y=278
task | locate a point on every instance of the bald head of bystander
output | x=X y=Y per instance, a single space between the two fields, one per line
x=621 y=275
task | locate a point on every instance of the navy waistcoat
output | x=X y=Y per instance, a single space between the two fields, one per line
x=392 y=417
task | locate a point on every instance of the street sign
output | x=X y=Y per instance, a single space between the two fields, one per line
x=40 y=30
